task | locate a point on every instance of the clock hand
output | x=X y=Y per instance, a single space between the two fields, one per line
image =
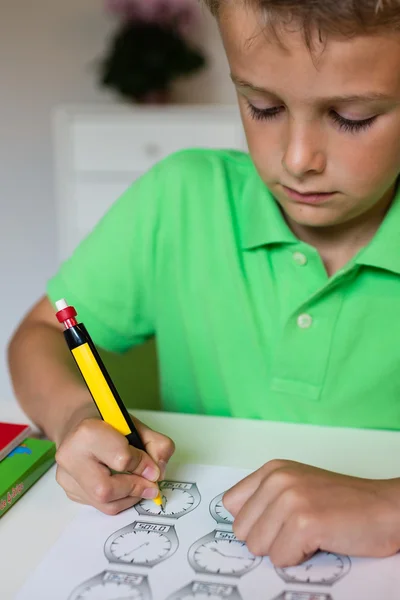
x=228 y=555
x=138 y=548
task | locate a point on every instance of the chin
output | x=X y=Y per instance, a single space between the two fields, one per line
x=316 y=224
x=310 y=216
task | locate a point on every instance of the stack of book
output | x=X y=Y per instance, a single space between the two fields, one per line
x=23 y=459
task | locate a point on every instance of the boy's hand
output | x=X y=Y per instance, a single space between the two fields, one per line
x=288 y=511
x=93 y=447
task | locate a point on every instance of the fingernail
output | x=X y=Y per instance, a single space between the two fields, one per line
x=150 y=473
x=150 y=494
x=162 y=465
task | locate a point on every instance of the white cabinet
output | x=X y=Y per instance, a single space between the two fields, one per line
x=100 y=150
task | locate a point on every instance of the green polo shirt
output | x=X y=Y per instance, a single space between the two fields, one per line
x=247 y=322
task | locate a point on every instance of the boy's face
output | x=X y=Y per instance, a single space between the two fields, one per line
x=324 y=124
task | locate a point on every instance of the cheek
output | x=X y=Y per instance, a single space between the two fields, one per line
x=371 y=166
x=264 y=140
x=265 y=146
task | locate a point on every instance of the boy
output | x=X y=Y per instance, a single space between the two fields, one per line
x=271 y=283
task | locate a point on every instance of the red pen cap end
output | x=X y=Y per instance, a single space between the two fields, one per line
x=65 y=312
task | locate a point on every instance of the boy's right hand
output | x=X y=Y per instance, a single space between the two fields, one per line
x=88 y=452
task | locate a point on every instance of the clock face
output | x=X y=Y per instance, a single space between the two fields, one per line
x=176 y=502
x=323 y=568
x=142 y=547
x=223 y=515
x=109 y=591
x=224 y=556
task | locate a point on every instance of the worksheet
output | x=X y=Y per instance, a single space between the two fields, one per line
x=189 y=552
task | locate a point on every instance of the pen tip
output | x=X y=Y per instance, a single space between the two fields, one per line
x=159 y=501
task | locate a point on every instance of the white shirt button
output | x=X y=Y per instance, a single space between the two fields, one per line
x=304 y=321
x=300 y=258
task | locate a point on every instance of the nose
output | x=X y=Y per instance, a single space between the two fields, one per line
x=304 y=153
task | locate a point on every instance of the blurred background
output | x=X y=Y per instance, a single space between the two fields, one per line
x=93 y=63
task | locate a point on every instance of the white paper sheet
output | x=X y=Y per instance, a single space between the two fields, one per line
x=190 y=553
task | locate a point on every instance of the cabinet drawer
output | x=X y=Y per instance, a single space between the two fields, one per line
x=137 y=144
x=101 y=150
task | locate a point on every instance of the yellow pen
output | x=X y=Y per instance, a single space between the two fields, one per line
x=97 y=379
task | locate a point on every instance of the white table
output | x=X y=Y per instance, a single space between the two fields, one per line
x=28 y=530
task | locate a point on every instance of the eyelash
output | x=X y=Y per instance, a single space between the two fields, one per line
x=267 y=114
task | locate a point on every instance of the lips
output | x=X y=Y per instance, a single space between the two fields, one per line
x=309 y=197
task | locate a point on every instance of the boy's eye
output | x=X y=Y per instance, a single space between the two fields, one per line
x=351 y=125
x=263 y=114
x=348 y=125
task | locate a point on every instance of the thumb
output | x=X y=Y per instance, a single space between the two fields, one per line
x=160 y=447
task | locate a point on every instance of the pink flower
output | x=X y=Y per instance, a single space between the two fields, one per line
x=183 y=14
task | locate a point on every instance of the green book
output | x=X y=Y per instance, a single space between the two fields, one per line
x=20 y=469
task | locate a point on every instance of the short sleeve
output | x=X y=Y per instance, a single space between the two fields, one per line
x=108 y=278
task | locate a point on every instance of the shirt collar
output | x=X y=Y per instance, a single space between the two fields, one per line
x=383 y=251
x=261 y=222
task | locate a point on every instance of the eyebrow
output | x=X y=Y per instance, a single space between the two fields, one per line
x=368 y=97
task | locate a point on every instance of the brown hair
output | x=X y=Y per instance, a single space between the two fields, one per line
x=326 y=16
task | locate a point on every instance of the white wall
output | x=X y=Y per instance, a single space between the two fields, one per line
x=47 y=54
x=213 y=84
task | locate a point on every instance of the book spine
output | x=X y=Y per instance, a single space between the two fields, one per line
x=18 y=488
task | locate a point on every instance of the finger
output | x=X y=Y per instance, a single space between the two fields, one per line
x=235 y=498
x=158 y=446
x=70 y=486
x=77 y=499
x=296 y=541
x=259 y=511
x=120 y=456
x=278 y=498
x=113 y=508
x=100 y=441
x=263 y=532
x=116 y=487
x=99 y=486
x=110 y=508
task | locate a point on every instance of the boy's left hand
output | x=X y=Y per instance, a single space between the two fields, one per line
x=288 y=511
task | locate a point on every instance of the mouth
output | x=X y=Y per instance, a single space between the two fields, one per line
x=310 y=197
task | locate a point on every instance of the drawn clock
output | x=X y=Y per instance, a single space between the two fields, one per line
x=112 y=585
x=324 y=568
x=221 y=553
x=202 y=590
x=180 y=498
x=220 y=514
x=142 y=544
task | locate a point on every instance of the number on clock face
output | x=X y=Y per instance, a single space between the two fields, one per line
x=224 y=557
x=140 y=546
x=175 y=502
x=322 y=568
x=109 y=591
